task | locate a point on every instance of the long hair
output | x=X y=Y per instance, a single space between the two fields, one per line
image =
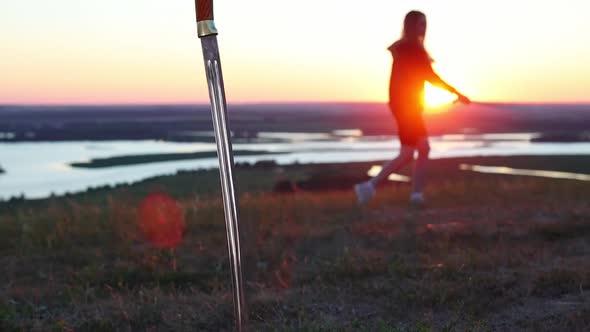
x=410 y=31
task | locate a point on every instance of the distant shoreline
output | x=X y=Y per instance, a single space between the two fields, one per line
x=160 y=157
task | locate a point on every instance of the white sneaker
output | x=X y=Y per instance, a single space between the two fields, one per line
x=417 y=199
x=364 y=192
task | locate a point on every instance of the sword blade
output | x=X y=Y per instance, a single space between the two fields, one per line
x=226 y=163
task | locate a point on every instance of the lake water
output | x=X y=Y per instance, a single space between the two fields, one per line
x=36 y=170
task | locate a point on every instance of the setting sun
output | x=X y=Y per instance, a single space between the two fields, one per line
x=435 y=98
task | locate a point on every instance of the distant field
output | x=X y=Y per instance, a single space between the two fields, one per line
x=488 y=253
x=189 y=122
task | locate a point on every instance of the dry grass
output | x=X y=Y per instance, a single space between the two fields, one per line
x=489 y=253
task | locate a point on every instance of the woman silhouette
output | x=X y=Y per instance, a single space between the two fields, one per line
x=410 y=70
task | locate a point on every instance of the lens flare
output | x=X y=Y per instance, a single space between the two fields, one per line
x=161 y=220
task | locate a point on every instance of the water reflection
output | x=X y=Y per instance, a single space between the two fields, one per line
x=375 y=169
x=491 y=137
x=348 y=132
x=294 y=137
x=7 y=136
x=36 y=169
x=526 y=172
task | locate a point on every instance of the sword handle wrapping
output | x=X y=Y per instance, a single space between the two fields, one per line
x=204 y=10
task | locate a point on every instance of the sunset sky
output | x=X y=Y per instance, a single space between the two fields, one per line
x=146 y=51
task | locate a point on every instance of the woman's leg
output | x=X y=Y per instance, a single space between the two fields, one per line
x=406 y=154
x=419 y=176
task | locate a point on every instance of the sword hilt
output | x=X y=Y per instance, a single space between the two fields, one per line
x=204 y=10
x=205 y=23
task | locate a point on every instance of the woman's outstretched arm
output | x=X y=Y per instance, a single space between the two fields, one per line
x=433 y=78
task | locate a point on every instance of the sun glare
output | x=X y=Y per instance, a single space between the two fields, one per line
x=435 y=98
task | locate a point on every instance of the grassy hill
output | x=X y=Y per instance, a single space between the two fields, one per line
x=489 y=252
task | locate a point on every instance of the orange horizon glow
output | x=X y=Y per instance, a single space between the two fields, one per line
x=146 y=51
